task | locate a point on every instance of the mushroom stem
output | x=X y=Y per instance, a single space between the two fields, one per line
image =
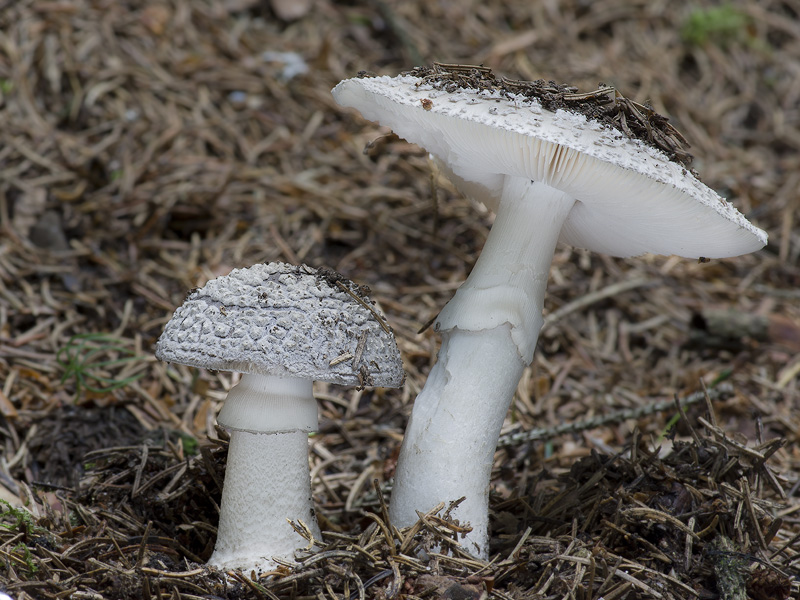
x=266 y=483
x=266 y=404
x=267 y=479
x=489 y=331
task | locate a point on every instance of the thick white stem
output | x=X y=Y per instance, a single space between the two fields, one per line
x=509 y=280
x=449 y=445
x=267 y=404
x=266 y=483
x=489 y=330
x=267 y=479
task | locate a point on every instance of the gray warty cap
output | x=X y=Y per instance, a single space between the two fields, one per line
x=287 y=321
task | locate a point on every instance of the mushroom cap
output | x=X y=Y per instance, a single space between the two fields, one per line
x=286 y=321
x=630 y=197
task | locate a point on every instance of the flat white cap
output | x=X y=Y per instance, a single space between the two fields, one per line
x=630 y=197
x=285 y=321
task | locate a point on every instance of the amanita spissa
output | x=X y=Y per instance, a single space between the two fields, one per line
x=282 y=327
x=550 y=177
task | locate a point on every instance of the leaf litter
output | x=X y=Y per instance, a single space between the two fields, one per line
x=148 y=147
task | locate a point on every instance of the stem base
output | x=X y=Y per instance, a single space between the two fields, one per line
x=266 y=482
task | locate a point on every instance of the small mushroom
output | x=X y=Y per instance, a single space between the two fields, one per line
x=282 y=327
x=550 y=176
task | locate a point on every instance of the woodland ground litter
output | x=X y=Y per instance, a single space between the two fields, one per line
x=147 y=147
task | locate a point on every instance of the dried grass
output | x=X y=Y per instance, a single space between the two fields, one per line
x=148 y=147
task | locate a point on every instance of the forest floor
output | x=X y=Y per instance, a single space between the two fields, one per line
x=147 y=147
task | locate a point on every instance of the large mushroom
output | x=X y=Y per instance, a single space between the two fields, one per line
x=283 y=327
x=551 y=174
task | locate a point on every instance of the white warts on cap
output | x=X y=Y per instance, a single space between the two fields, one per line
x=283 y=320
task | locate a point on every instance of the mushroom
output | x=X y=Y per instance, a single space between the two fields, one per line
x=282 y=327
x=550 y=175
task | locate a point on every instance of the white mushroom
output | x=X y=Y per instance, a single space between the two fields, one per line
x=282 y=327
x=550 y=176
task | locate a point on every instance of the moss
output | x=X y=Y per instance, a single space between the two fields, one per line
x=721 y=25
